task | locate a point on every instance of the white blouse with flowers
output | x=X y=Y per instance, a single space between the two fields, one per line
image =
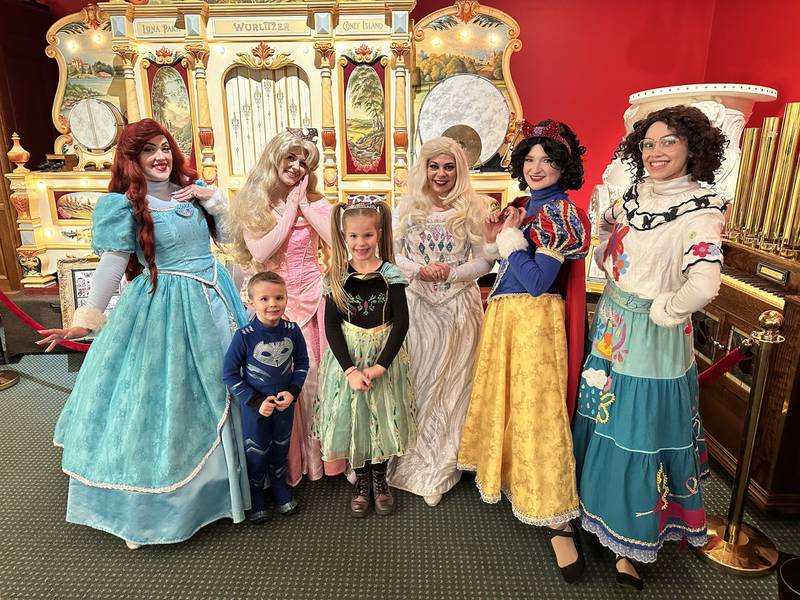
x=662 y=241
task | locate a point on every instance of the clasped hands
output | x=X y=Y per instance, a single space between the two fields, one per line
x=435 y=271
x=361 y=380
x=510 y=217
x=297 y=195
x=280 y=401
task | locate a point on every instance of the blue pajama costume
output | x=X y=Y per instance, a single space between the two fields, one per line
x=263 y=361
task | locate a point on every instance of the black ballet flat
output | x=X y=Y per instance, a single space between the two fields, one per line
x=573 y=571
x=628 y=580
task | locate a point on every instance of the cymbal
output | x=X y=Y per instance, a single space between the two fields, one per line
x=469 y=139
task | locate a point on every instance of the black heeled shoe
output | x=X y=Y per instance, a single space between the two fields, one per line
x=573 y=571
x=626 y=579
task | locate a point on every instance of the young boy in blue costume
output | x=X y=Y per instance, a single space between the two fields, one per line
x=265 y=368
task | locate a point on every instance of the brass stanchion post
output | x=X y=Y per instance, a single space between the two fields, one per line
x=8 y=378
x=735 y=546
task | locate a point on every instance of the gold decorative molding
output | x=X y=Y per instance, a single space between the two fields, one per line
x=262 y=57
x=127 y=53
x=325 y=51
x=163 y=56
x=197 y=54
x=466 y=10
x=363 y=54
x=400 y=50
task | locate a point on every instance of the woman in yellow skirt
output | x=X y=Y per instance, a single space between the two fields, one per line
x=517 y=434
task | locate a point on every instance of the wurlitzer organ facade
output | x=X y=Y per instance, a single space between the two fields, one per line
x=223 y=77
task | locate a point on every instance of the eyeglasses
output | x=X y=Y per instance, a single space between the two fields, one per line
x=666 y=142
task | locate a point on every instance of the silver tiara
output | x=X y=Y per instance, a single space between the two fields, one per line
x=309 y=134
x=364 y=201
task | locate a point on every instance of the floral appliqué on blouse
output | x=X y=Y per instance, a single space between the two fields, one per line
x=704 y=249
x=616 y=249
x=360 y=305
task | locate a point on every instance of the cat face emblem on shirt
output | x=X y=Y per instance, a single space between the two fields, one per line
x=273 y=354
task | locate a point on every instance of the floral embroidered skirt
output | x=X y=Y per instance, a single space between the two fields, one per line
x=373 y=425
x=639 y=443
x=517 y=435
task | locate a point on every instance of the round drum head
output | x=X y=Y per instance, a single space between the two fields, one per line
x=95 y=124
x=466 y=100
x=468 y=139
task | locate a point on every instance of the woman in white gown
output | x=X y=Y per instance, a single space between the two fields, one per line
x=439 y=246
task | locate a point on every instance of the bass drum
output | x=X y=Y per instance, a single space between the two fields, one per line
x=469 y=100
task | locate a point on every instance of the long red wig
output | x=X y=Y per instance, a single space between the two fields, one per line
x=127 y=178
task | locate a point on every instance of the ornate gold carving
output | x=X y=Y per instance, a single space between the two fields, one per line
x=400 y=51
x=22 y=204
x=90 y=17
x=362 y=54
x=325 y=53
x=466 y=10
x=18 y=155
x=127 y=53
x=164 y=56
x=330 y=176
x=261 y=57
x=31 y=262
x=197 y=54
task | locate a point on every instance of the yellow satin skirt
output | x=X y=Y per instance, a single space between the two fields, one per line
x=517 y=435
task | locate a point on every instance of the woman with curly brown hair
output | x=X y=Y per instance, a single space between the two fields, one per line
x=638 y=440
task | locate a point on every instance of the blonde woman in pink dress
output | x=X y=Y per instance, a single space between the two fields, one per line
x=277 y=222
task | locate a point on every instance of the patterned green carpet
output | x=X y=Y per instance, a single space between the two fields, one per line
x=460 y=549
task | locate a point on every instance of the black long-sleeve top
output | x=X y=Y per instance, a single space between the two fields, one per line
x=372 y=303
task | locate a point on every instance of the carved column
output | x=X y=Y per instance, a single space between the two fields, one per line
x=400 y=51
x=325 y=53
x=197 y=55
x=129 y=54
x=31 y=256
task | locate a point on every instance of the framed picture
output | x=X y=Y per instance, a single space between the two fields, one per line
x=74 y=284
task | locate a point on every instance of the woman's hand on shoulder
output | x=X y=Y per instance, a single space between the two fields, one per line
x=55 y=336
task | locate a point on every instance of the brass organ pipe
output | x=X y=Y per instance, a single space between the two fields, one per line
x=743 y=182
x=758 y=195
x=790 y=244
x=780 y=185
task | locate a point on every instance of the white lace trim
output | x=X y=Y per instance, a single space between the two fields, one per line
x=550 y=521
x=168 y=488
x=671 y=533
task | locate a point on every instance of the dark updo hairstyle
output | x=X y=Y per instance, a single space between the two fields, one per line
x=705 y=142
x=571 y=166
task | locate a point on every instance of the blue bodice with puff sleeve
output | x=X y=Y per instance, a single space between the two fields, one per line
x=555 y=228
x=180 y=231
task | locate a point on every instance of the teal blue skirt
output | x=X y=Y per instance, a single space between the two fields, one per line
x=638 y=440
x=151 y=442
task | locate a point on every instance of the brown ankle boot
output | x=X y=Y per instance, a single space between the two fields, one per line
x=359 y=503
x=384 y=501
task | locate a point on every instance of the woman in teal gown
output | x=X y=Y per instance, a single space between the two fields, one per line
x=151 y=442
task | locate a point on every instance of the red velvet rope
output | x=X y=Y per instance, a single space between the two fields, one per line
x=722 y=366
x=30 y=322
